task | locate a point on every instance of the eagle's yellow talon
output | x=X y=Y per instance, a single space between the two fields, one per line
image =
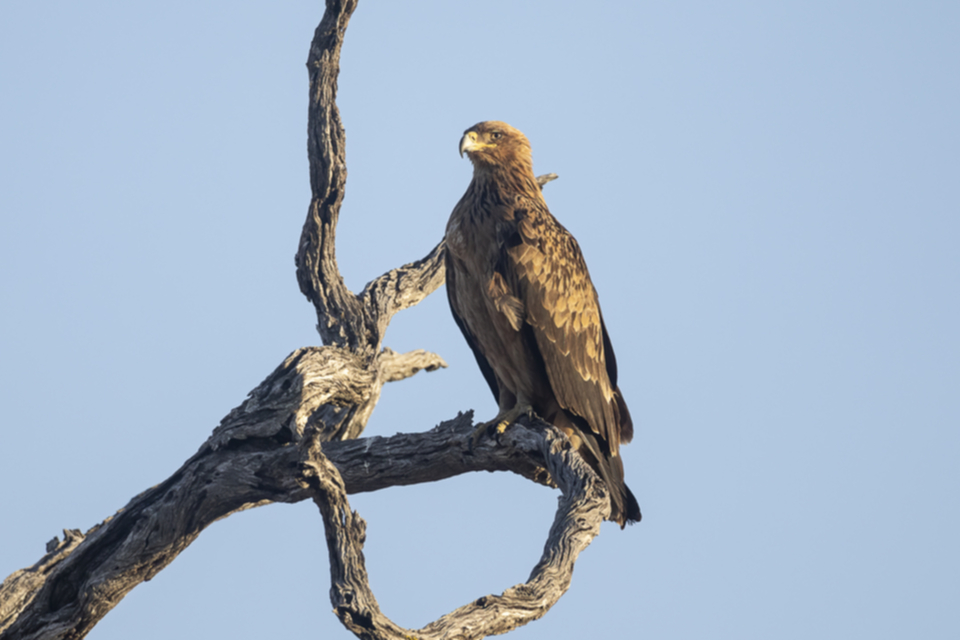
x=499 y=424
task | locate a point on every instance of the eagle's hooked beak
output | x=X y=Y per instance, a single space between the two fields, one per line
x=468 y=142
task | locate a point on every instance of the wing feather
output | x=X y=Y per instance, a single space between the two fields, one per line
x=452 y=298
x=563 y=310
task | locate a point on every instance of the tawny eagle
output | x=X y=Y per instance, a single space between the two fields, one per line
x=521 y=294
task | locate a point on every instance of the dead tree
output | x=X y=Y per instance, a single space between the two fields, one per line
x=296 y=437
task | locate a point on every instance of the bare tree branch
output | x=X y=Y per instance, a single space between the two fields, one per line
x=401 y=288
x=339 y=316
x=346 y=320
x=399 y=366
x=318 y=394
x=250 y=461
x=545 y=178
x=583 y=507
x=355 y=324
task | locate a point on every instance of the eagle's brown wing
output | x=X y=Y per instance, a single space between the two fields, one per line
x=482 y=362
x=562 y=309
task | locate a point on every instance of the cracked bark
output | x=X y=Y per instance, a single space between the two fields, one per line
x=295 y=438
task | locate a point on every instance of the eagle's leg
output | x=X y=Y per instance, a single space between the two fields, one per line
x=504 y=419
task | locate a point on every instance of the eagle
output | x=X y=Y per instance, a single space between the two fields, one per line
x=521 y=294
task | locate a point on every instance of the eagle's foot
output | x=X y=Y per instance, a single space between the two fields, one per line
x=499 y=424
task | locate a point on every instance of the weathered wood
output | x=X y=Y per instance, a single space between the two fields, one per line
x=318 y=394
x=250 y=460
x=584 y=505
x=354 y=323
x=339 y=314
x=401 y=288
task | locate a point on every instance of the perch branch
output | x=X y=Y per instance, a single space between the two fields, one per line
x=582 y=508
x=249 y=462
x=327 y=392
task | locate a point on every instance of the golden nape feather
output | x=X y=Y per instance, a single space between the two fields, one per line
x=521 y=294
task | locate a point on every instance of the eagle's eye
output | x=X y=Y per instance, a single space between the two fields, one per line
x=496 y=135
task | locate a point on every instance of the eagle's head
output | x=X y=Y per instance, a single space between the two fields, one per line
x=492 y=144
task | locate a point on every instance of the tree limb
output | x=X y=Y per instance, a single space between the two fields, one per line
x=318 y=394
x=339 y=315
x=356 y=322
x=250 y=460
x=352 y=323
x=583 y=507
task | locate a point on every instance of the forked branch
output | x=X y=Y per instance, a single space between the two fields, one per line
x=249 y=461
x=583 y=506
x=318 y=395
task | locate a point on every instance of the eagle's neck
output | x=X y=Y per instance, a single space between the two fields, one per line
x=506 y=183
x=495 y=195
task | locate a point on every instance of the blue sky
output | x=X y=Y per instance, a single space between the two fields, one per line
x=767 y=195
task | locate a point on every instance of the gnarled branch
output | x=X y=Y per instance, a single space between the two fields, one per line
x=583 y=507
x=251 y=460
x=318 y=394
x=353 y=323
x=339 y=315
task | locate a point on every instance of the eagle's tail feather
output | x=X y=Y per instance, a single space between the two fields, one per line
x=624 y=508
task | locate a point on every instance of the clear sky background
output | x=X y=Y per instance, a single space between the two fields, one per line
x=767 y=194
